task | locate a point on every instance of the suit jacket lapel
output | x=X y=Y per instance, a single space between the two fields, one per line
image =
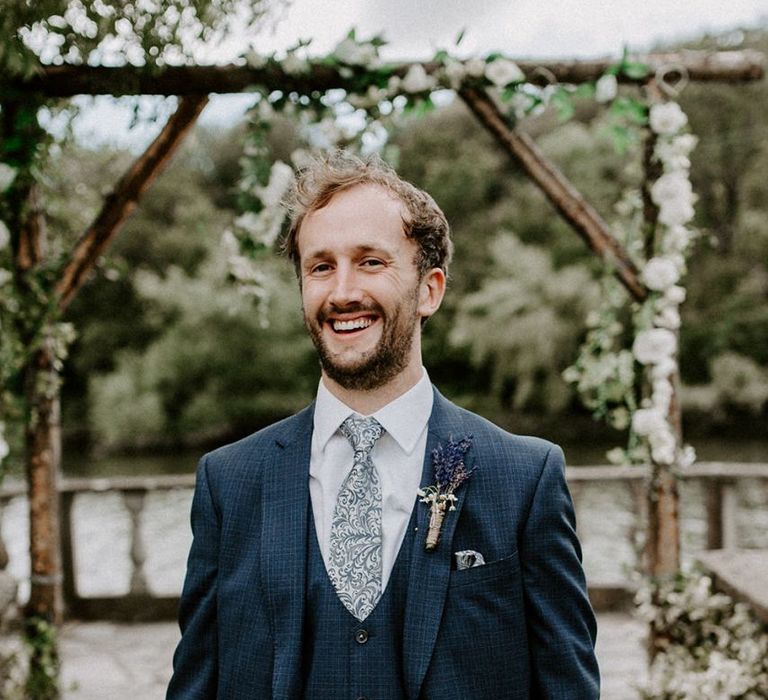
x=285 y=504
x=430 y=571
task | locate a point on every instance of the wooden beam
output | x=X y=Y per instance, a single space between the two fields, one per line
x=68 y=80
x=561 y=193
x=119 y=205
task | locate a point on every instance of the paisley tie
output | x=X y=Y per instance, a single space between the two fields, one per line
x=355 y=546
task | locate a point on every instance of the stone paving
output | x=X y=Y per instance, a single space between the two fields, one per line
x=106 y=661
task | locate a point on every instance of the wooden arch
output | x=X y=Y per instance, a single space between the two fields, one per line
x=193 y=84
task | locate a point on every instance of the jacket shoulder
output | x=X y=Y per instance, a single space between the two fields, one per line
x=250 y=450
x=487 y=435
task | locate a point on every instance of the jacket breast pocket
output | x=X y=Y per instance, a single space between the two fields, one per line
x=507 y=567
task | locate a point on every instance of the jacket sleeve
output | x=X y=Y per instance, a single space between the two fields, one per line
x=561 y=624
x=195 y=662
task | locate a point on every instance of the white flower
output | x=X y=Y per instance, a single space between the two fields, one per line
x=616 y=456
x=255 y=60
x=663 y=446
x=672 y=187
x=394 y=84
x=4 y=449
x=661 y=396
x=675 y=294
x=667 y=118
x=654 y=345
x=606 y=88
x=662 y=369
x=280 y=179
x=676 y=238
x=648 y=420
x=676 y=213
x=502 y=72
x=668 y=318
x=294 y=65
x=5 y=236
x=475 y=67
x=7 y=176
x=660 y=274
x=684 y=144
x=301 y=158
x=353 y=54
x=266 y=110
x=521 y=103
x=454 y=72
x=248 y=221
x=417 y=80
x=5 y=276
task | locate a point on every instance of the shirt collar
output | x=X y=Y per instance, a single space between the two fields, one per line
x=404 y=419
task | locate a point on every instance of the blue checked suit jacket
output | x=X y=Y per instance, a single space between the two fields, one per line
x=519 y=627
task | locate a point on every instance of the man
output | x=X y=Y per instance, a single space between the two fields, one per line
x=309 y=574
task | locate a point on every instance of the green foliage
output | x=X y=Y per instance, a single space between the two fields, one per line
x=216 y=370
x=525 y=321
x=740 y=382
x=106 y=31
x=41 y=639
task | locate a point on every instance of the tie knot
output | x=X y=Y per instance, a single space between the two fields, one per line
x=362 y=433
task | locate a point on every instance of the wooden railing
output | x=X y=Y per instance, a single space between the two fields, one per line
x=719 y=481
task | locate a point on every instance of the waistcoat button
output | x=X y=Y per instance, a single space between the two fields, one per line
x=361 y=636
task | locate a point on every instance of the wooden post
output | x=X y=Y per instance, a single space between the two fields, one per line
x=43 y=457
x=569 y=203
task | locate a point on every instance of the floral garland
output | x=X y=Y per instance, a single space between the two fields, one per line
x=605 y=373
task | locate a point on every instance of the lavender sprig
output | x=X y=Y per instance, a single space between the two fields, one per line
x=450 y=473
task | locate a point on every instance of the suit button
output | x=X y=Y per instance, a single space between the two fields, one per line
x=361 y=636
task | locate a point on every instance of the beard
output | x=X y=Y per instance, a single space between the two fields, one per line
x=376 y=367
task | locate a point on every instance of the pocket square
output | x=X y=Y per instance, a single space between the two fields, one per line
x=468 y=558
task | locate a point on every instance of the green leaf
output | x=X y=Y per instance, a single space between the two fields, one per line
x=585 y=91
x=635 y=70
x=460 y=36
x=563 y=104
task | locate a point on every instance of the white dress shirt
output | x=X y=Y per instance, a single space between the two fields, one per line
x=398 y=455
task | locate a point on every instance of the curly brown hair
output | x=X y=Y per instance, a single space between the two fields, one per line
x=327 y=175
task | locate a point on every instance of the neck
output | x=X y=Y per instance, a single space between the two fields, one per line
x=368 y=402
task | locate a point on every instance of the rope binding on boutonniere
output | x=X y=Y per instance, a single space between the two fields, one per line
x=450 y=473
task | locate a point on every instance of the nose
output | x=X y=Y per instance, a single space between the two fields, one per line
x=346 y=286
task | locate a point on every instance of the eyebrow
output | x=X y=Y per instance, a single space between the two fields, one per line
x=359 y=250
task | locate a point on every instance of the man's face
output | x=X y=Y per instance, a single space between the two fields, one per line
x=361 y=292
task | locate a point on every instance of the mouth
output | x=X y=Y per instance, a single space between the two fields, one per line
x=351 y=325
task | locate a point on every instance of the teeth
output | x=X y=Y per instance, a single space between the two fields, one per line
x=352 y=325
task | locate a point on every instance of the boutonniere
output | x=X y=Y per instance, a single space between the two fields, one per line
x=450 y=473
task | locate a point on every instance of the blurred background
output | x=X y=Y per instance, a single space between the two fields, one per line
x=170 y=360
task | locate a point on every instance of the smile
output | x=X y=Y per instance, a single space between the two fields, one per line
x=354 y=324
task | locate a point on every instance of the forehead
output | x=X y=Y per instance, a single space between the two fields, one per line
x=363 y=214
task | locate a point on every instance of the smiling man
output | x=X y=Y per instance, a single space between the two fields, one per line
x=383 y=543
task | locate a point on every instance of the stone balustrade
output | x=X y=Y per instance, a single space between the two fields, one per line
x=718 y=484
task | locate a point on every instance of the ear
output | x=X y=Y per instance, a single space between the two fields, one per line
x=431 y=292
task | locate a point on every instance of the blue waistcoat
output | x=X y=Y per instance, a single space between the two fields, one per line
x=343 y=658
